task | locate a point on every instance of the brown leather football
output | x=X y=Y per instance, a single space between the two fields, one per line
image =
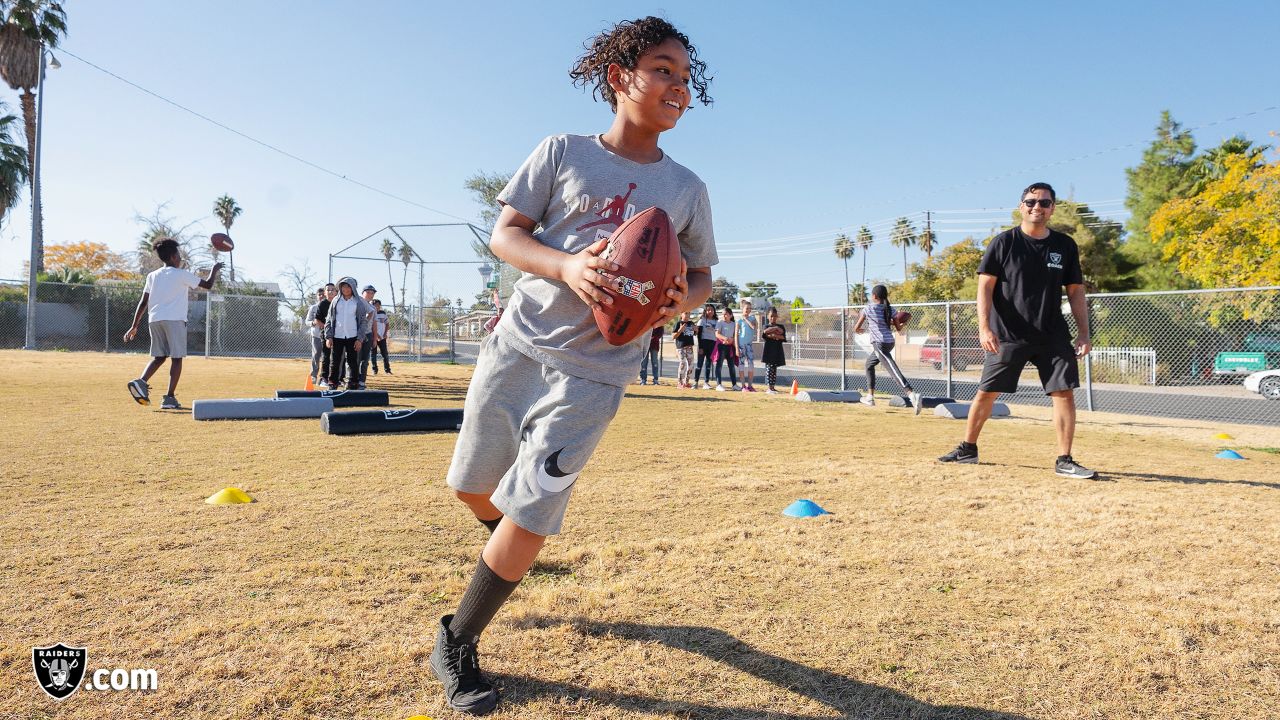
x=647 y=252
x=222 y=242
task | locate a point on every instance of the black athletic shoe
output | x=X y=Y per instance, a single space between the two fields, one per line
x=457 y=664
x=140 y=391
x=965 y=454
x=1068 y=467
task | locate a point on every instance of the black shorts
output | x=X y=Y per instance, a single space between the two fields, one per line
x=1056 y=362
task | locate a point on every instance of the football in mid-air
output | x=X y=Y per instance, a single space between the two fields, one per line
x=902 y=317
x=647 y=252
x=222 y=242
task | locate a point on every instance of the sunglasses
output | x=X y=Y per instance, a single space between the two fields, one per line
x=1044 y=203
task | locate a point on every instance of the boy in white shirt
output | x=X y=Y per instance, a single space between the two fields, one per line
x=164 y=297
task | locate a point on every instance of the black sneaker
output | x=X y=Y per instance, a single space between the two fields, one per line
x=140 y=391
x=1068 y=467
x=965 y=454
x=457 y=664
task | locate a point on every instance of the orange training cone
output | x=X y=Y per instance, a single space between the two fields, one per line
x=310 y=385
x=795 y=387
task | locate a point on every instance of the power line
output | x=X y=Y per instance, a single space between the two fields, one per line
x=63 y=51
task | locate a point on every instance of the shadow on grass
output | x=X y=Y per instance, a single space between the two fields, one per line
x=1107 y=476
x=852 y=698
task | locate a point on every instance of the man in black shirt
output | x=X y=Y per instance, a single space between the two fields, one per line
x=1020 y=280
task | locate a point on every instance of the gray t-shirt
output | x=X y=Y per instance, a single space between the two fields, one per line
x=578 y=192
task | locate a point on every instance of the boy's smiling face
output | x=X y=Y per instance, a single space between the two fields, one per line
x=656 y=93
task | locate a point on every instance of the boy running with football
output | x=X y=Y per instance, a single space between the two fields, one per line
x=547 y=383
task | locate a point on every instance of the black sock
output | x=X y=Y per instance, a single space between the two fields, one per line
x=968 y=445
x=486 y=593
x=491 y=524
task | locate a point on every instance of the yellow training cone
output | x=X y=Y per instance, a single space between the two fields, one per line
x=229 y=496
x=1223 y=436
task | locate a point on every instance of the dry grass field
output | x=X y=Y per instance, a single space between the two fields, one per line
x=678 y=589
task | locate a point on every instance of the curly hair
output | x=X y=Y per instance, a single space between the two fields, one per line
x=623 y=44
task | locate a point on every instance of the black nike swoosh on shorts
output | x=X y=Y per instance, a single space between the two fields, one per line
x=552 y=464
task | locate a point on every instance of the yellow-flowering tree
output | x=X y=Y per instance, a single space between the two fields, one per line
x=94 y=258
x=1228 y=235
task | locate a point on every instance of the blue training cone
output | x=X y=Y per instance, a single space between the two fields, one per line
x=1229 y=455
x=804 y=509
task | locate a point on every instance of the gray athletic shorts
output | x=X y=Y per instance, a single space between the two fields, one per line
x=168 y=338
x=527 y=431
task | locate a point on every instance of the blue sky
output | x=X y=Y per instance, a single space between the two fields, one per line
x=827 y=116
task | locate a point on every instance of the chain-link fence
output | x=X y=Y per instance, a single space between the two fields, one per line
x=95 y=317
x=1169 y=354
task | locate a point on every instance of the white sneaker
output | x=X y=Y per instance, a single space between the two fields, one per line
x=868 y=400
x=705 y=386
x=735 y=388
x=915 y=401
x=771 y=391
x=642 y=382
x=719 y=387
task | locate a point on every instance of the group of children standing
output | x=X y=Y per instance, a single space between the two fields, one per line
x=347 y=330
x=727 y=341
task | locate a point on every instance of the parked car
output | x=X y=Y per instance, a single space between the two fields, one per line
x=1265 y=382
x=965 y=351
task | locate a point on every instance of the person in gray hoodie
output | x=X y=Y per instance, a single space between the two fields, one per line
x=346 y=325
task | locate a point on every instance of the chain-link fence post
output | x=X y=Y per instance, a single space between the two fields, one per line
x=844 y=351
x=106 y=320
x=1088 y=359
x=208 y=320
x=946 y=353
x=452 y=358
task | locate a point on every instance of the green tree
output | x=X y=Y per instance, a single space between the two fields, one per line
x=952 y=275
x=14 y=166
x=1164 y=174
x=484 y=188
x=388 y=252
x=762 y=289
x=1212 y=164
x=29 y=26
x=723 y=292
x=903 y=235
x=226 y=210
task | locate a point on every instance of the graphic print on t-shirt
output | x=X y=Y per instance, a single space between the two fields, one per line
x=614 y=213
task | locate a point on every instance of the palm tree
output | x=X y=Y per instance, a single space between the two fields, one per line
x=844 y=251
x=13 y=166
x=29 y=26
x=388 y=251
x=865 y=241
x=926 y=241
x=226 y=210
x=903 y=236
x=406 y=257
